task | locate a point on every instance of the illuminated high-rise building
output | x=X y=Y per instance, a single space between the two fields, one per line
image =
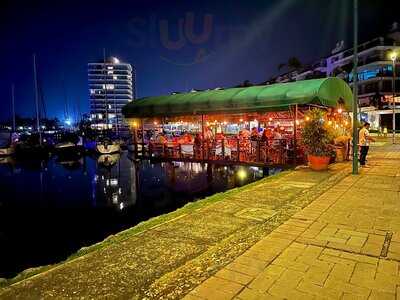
x=112 y=85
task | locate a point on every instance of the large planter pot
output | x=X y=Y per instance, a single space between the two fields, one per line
x=318 y=163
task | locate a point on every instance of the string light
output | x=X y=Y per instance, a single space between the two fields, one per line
x=270 y=119
x=340 y=110
x=307 y=118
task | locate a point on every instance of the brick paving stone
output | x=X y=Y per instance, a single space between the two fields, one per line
x=251 y=262
x=262 y=283
x=250 y=294
x=282 y=290
x=223 y=289
x=377 y=295
x=319 y=291
x=240 y=268
x=234 y=276
x=388 y=267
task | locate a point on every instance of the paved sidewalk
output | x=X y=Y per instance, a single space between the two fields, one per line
x=344 y=245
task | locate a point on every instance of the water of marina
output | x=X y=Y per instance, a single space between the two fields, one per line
x=50 y=209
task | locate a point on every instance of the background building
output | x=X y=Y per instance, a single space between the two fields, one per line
x=112 y=85
x=375 y=75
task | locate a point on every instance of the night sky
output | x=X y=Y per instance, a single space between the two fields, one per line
x=245 y=40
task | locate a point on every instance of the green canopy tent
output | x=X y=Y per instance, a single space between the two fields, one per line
x=327 y=92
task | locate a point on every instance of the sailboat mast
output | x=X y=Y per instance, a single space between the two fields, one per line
x=105 y=85
x=36 y=99
x=13 y=107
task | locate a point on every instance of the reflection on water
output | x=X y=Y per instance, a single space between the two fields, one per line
x=49 y=209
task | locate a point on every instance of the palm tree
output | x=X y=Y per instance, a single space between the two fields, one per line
x=292 y=64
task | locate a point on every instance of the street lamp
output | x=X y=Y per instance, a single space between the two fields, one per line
x=393 y=57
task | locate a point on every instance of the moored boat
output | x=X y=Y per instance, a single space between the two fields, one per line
x=6 y=146
x=108 y=147
x=70 y=144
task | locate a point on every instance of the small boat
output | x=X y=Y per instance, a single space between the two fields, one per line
x=69 y=145
x=6 y=146
x=7 y=160
x=108 y=147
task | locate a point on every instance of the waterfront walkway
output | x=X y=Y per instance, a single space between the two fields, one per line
x=300 y=234
x=345 y=245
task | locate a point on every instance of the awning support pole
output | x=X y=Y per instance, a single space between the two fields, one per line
x=202 y=137
x=295 y=133
x=142 y=124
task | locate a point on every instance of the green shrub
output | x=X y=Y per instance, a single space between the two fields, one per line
x=317 y=135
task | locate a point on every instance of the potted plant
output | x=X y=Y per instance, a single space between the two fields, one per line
x=317 y=138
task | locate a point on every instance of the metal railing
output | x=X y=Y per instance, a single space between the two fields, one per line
x=269 y=152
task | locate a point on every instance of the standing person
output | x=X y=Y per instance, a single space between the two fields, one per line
x=364 y=143
x=254 y=134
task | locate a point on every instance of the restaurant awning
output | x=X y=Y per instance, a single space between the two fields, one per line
x=328 y=92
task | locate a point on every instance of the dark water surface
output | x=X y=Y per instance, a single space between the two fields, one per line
x=48 y=210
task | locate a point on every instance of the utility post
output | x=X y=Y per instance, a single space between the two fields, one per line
x=355 y=89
